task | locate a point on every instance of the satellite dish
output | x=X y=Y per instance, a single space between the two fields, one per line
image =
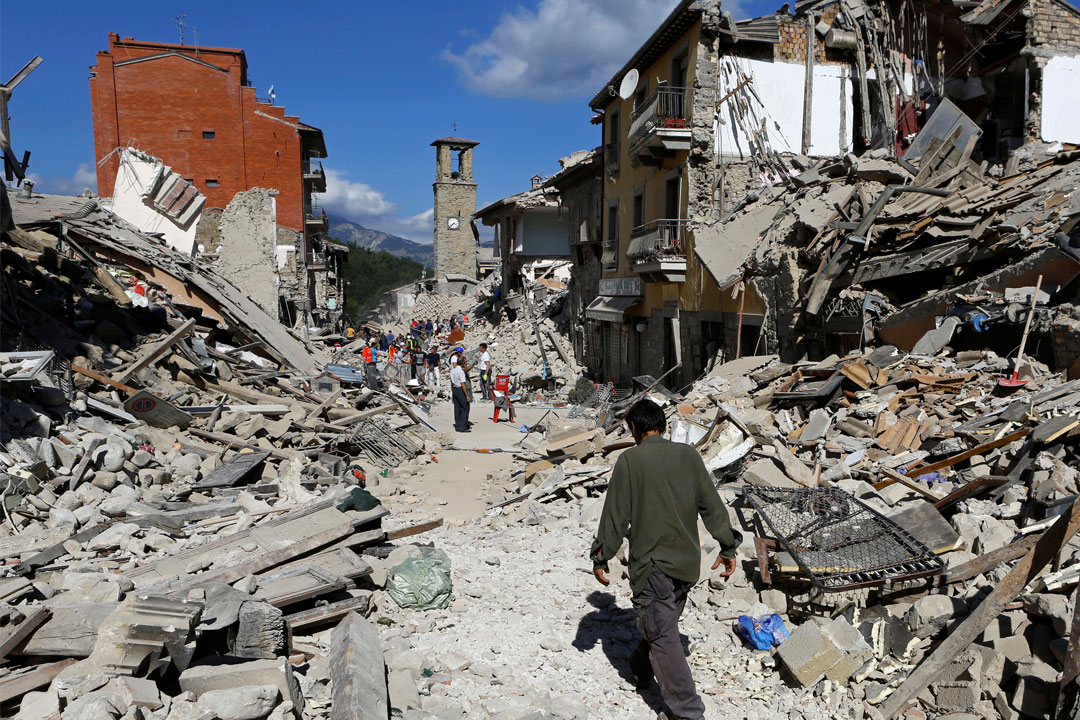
x=629 y=84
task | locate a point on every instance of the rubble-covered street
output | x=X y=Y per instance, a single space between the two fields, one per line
x=804 y=325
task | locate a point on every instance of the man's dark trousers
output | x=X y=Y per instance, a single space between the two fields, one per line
x=461 y=409
x=659 y=606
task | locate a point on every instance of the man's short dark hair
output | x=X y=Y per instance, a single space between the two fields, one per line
x=646 y=416
x=483 y=345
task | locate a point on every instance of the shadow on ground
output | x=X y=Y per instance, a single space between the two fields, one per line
x=615 y=630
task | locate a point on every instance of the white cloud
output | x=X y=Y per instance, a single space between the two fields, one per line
x=353 y=199
x=85 y=176
x=560 y=49
x=363 y=204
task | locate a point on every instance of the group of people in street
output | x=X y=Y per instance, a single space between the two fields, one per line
x=419 y=355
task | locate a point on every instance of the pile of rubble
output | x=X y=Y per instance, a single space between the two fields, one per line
x=526 y=334
x=881 y=497
x=184 y=515
x=887 y=248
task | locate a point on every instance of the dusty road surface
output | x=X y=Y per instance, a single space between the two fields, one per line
x=530 y=632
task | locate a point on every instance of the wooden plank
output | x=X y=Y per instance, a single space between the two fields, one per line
x=990 y=560
x=11 y=589
x=327 y=613
x=324 y=404
x=960 y=457
x=414 y=530
x=275 y=535
x=235 y=442
x=976 y=485
x=46 y=556
x=155 y=352
x=14 y=686
x=271 y=559
x=102 y=379
x=232 y=472
x=357 y=671
x=12 y=636
x=897 y=477
x=1026 y=570
x=1051 y=430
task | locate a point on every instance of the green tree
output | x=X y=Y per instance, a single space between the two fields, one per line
x=369 y=274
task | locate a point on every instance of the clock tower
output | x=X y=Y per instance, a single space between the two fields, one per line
x=455 y=203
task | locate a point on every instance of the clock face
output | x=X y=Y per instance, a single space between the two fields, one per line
x=452 y=223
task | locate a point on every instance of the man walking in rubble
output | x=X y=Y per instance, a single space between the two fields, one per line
x=459 y=391
x=657 y=491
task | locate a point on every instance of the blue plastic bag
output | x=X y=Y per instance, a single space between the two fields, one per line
x=763 y=633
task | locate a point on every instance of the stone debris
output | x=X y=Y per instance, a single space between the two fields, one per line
x=191 y=529
x=177 y=490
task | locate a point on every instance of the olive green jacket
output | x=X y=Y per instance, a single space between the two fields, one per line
x=657 y=490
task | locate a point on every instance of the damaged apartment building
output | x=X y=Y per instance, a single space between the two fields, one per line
x=747 y=167
x=556 y=220
x=209 y=135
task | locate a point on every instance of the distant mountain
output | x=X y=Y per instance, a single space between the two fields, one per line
x=355 y=234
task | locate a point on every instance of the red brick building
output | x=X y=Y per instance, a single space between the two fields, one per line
x=194 y=108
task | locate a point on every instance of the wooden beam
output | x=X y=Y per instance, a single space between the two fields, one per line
x=323 y=405
x=414 y=530
x=979 y=565
x=13 y=635
x=235 y=442
x=1026 y=570
x=808 y=85
x=155 y=352
x=357 y=671
x=326 y=613
x=910 y=485
x=270 y=559
x=40 y=676
x=960 y=457
x=94 y=375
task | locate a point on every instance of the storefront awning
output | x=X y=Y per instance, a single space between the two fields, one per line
x=610 y=308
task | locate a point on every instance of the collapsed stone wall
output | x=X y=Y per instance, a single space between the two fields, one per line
x=248 y=249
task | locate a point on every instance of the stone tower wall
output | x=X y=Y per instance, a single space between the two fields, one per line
x=455 y=250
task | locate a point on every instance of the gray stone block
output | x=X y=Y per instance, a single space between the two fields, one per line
x=856 y=651
x=933 y=613
x=224 y=676
x=808 y=654
x=958 y=695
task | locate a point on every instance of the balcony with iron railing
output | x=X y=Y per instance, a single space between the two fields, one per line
x=660 y=126
x=658 y=250
x=313 y=173
x=315 y=219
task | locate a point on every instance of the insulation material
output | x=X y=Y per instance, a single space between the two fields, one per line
x=1060 y=104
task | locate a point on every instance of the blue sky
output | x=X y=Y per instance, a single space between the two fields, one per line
x=382 y=80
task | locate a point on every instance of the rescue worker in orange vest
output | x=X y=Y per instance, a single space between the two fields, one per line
x=371 y=358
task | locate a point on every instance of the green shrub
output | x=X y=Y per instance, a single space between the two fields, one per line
x=581 y=392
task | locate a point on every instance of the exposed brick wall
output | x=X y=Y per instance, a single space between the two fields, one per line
x=163 y=105
x=1053 y=26
x=792 y=46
